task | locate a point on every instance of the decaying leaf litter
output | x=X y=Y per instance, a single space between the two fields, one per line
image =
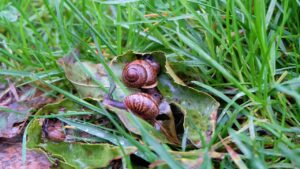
x=65 y=123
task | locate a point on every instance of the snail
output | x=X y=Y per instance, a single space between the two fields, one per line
x=144 y=105
x=141 y=74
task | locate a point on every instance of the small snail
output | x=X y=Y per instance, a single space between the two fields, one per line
x=141 y=74
x=142 y=104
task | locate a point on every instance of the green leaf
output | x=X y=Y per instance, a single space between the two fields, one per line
x=200 y=109
x=168 y=126
x=77 y=155
x=190 y=159
x=81 y=155
x=96 y=131
x=130 y=125
x=89 y=79
x=74 y=155
x=34 y=134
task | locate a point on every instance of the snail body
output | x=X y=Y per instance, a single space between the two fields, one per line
x=143 y=105
x=140 y=74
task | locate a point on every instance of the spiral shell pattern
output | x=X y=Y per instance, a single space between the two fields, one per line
x=139 y=74
x=143 y=105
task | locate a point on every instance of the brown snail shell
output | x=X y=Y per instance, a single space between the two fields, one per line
x=140 y=74
x=143 y=105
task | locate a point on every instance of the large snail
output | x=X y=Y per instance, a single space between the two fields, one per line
x=141 y=74
x=144 y=105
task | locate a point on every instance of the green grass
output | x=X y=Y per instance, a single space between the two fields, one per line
x=244 y=53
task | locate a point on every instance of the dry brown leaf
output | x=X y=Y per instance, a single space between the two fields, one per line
x=11 y=158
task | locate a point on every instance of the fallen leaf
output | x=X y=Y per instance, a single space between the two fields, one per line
x=16 y=106
x=234 y=155
x=198 y=107
x=167 y=126
x=71 y=154
x=125 y=118
x=81 y=156
x=189 y=159
x=89 y=79
x=11 y=158
x=12 y=119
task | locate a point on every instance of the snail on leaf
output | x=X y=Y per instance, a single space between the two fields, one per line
x=141 y=104
x=141 y=73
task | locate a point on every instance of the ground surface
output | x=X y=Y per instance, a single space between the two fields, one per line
x=11 y=157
